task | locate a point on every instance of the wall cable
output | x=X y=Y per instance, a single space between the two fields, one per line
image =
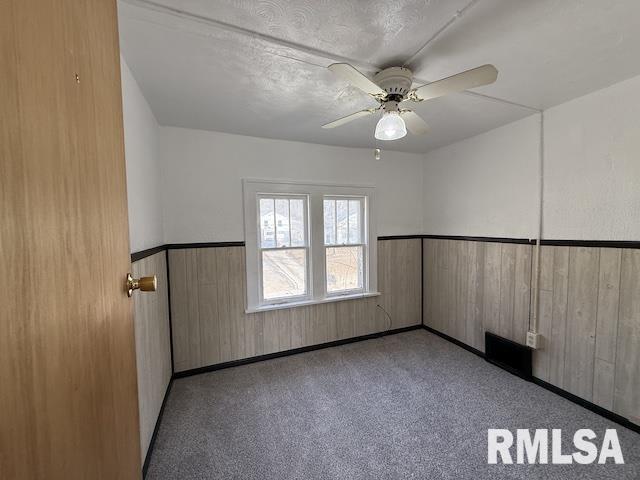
x=534 y=322
x=387 y=315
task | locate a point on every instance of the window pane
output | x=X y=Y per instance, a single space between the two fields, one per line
x=344 y=268
x=296 y=206
x=267 y=223
x=284 y=273
x=329 y=222
x=354 y=221
x=342 y=213
x=282 y=223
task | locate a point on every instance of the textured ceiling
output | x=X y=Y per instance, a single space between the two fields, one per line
x=257 y=67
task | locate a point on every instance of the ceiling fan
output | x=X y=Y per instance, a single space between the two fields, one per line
x=392 y=86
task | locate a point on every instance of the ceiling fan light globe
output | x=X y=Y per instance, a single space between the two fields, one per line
x=390 y=127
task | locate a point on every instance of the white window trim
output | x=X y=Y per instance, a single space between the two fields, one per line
x=316 y=269
x=307 y=248
x=363 y=243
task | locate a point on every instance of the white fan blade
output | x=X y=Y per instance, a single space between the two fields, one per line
x=349 y=118
x=414 y=122
x=475 y=77
x=357 y=79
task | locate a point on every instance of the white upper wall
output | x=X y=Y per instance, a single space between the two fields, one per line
x=481 y=186
x=592 y=166
x=202 y=173
x=487 y=185
x=143 y=172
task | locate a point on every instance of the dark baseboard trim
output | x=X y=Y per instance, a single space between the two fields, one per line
x=603 y=412
x=455 y=341
x=592 y=243
x=147 y=458
x=146 y=253
x=525 y=241
x=294 y=351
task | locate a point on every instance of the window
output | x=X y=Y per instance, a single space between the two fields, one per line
x=344 y=246
x=284 y=251
x=307 y=243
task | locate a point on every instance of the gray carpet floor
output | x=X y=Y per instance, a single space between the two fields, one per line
x=410 y=405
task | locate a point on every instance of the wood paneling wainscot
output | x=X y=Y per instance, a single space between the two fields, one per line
x=471 y=287
x=589 y=311
x=153 y=347
x=399 y=272
x=208 y=301
x=590 y=322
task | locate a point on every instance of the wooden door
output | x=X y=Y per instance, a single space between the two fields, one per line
x=68 y=394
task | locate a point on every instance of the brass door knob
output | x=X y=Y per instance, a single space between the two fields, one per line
x=145 y=284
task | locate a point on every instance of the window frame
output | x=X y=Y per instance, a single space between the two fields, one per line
x=316 y=249
x=364 y=244
x=307 y=248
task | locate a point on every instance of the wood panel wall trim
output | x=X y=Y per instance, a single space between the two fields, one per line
x=481 y=239
x=399 y=237
x=632 y=244
x=136 y=256
x=174 y=246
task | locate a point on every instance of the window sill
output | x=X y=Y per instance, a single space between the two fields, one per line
x=335 y=298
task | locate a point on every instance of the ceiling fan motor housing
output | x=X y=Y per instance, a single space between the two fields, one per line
x=396 y=81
